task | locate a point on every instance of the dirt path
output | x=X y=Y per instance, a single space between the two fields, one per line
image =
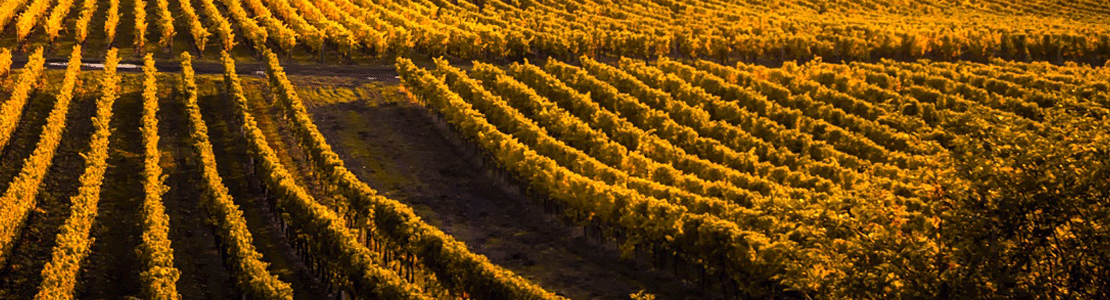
x=393 y=146
x=203 y=275
x=233 y=160
x=20 y=278
x=112 y=269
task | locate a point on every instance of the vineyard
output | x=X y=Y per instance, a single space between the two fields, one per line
x=540 y=149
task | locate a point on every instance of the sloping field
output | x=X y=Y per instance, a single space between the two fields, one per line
x=536 y=149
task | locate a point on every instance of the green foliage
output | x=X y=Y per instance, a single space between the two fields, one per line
x=460 y=269
x=251 y=273
x=21 y=196
x=641 y=295
x=159 y=277
x=59 y=276
x=1031 y=216
x=325 y=231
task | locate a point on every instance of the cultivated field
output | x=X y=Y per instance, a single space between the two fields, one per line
x=540 y=149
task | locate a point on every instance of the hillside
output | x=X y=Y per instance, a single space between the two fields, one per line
x=536 y=149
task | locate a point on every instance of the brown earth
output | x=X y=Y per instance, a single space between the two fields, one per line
x=233 y=159
x=196 y=255
x=392 y=144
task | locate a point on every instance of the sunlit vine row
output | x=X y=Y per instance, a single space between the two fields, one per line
x=12 y=109
x=59 y=276
x=457 y=267
x=159 y=276
x=21 y=196
x=251 y=273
